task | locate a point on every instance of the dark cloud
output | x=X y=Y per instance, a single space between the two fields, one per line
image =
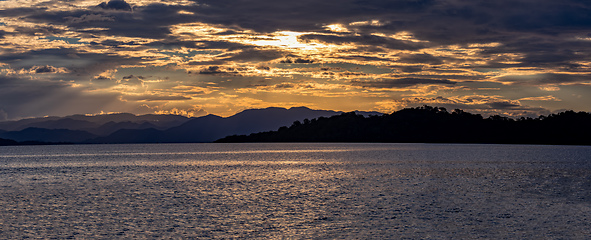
x=504 y=105
x=118 y=5
x=114 y=43
x=547 y=79
x=410 y=69
x=401 y=83
x=536 y=35
x=448 y=22
x=101 y=78
x=351 y=74
x=284 y=86
x=132 y=76
x=253 y=54
x=38 y=30
x=150 y=98
x=420 y=58
x=72 y=65
x=151 y=21
x=211 y=70
x=220 y=70
x=248 y=54
x=46 y=69
x=263 y=67
x=363 y=40
x=365 y=58
x=538 y=29
x=132 y=80
x=297 y=60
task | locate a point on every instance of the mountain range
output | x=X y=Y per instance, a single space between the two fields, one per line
x=129 y=128
x=433 y=125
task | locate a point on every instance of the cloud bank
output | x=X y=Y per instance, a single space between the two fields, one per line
x=225 y=56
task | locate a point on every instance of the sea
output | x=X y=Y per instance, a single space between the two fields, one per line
x=295 y=191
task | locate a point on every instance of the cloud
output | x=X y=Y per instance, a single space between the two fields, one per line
x=552 y=79
x=370 y=47
x=369 y=40
x=249 y=54
x=541 y=98
x=297 y=60
x=132 y=80
x=118 y=5
x=420 y=58
x=44 y=69
x=89 y=18
x=285 y=85
x=70 y=63
x=400 y=83
x=191 y=112
x=211 y=70
x=151 y=21
x=149 y=98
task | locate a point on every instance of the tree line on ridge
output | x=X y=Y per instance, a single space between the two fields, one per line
x=428 y=124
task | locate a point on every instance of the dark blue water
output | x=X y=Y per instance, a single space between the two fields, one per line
x=335 y=191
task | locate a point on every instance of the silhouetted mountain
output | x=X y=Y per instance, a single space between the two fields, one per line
x=83 y=122
x=7 y=142
x=211 y=127
x=160 y=121
x=48 y=135
x=432 y=125
x=63 y=123
x=18 y=125
x=111 y=127
x=131 y=136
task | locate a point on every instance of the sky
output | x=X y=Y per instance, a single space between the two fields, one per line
x=507 y=57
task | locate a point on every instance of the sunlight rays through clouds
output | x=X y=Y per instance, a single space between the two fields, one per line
x=221 y=57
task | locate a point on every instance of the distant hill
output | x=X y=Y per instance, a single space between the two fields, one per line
x=111 y=127
x=62 y=123
x=24 y=123
x=7 y=142
x=48 y=135
x=432 y=125
x=130 y=136
x=129 y=128
x=88 y=123
x=209 y=128
x=82 y=128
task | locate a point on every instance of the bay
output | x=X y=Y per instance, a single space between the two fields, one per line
x=296 y=190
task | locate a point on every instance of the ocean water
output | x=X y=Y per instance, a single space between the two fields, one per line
x=296 y=191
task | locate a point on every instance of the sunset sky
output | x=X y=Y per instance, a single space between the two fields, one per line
x=509 y=57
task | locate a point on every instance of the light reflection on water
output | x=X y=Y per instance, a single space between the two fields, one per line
x=382 y=191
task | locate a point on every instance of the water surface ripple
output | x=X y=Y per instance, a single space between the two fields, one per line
x=318 y=191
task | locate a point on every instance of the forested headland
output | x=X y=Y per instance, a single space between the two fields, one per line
x=433 y=125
